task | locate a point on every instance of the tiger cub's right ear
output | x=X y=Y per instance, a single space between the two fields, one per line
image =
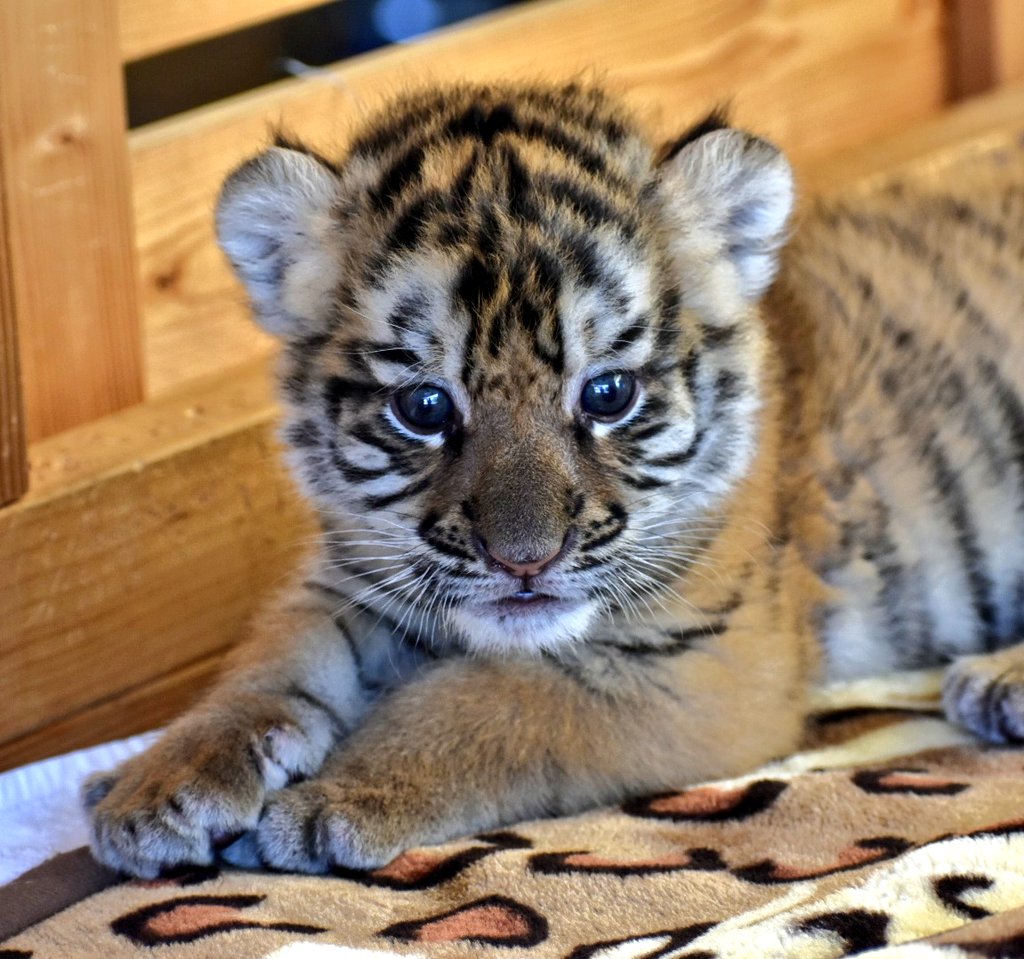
x=274 y=223
x=729 y=195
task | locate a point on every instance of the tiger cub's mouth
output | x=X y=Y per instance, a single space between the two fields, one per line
x=526 y=601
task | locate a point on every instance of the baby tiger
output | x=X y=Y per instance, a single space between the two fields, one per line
x=594 y=516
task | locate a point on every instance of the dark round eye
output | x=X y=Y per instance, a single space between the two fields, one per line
x=608 y=397
x=424 y=409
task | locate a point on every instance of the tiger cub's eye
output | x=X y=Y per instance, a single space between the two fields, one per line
x=608 y=397
x=424 y=409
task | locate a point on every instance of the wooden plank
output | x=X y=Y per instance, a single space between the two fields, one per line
x=68 y=211
x=144 y=543
x=973 y=127
x=672 y=63
x=153 y=26
x=986 y=45
x=136 y=710
x=13 y=451
x=148 y=537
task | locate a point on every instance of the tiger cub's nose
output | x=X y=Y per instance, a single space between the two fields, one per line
x=519 y=567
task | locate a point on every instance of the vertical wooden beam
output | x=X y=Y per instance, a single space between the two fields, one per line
x=13 y=454
x=1008 y=36
x=985 y=40
x=66 y=195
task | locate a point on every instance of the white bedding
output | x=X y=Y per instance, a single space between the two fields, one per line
x=40 y=814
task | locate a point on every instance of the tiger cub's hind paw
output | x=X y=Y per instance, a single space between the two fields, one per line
x=985 y=695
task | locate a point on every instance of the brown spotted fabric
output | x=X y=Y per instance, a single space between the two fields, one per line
x=891 y=835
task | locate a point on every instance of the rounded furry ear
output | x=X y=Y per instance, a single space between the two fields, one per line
x=732 y=194
x=274 y=223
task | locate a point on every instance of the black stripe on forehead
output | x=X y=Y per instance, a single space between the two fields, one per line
x=594 y=208
x=547 y=271
x=399 y=355
x=484 y=123
x=406 y=231
x=460 y=190
x=531 y=306
x=402 y=171
x=522 y=204
x=477 y=284
x=545 y=332
x=585 y=109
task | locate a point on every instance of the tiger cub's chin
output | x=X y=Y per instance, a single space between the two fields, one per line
x=531 y=626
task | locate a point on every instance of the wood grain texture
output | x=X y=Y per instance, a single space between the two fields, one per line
x=873 y=66
x=145 y=542
x=68 y=211
x=13 y=449
x=153 y=26
x=979 y=125
x=136 y=710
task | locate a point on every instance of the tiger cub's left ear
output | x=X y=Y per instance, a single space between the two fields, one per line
x=275 y=223
x=731 y=195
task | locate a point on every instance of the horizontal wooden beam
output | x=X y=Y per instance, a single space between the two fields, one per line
x=145 y=542
x=126 y=712
x=976 y=126
x=672 y=62
x=153 y=26
x=150 y=536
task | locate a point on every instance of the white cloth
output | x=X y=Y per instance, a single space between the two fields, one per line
x=40 y=812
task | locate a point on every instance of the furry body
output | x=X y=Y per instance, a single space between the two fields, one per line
x=593 y=518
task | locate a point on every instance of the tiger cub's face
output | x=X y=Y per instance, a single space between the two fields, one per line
x=521 y=357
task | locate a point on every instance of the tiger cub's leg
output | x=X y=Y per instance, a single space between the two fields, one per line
x=985 y=694
x=272 y=719
x=475 y=745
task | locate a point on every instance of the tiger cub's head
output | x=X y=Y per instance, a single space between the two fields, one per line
x=521 y=356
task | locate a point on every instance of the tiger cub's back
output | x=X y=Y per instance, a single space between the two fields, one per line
x=906 y=434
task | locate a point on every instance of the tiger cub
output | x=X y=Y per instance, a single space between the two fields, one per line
x=593 y=518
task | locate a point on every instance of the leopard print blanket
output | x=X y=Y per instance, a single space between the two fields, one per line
x=891 y=836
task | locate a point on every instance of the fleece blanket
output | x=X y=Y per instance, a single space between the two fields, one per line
x=890 y=835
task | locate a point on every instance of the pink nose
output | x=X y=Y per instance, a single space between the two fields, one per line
x=520 y=568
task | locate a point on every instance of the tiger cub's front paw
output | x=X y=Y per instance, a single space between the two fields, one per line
x=201 y=784
x=985 y=694
x=320 y=824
